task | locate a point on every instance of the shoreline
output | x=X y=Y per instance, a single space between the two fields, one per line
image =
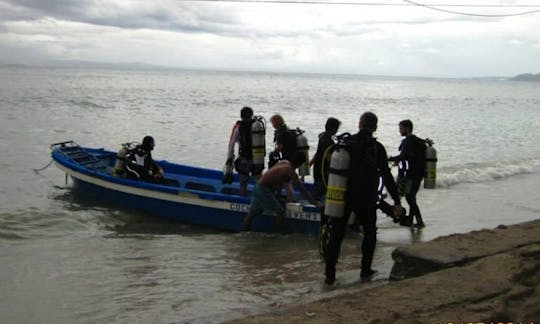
x=481 y=276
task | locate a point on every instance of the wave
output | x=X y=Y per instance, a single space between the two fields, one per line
x=482 y=172
x=86 y=103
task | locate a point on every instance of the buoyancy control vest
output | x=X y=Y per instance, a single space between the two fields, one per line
x=245 y=140
x=353 y=174
x=364 y=172
x=139 y=164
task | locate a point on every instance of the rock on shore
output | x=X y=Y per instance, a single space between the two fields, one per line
x=482 y=276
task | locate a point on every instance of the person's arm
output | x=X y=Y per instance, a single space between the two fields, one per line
x=157 y=170
x=303 y=190
x=386 y=174
x=290 y=191
x=235 y=136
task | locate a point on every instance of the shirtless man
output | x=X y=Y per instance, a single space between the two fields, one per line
x=264 y=200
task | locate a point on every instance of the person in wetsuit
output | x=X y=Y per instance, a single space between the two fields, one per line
x=411 y=162
x=265 y=194
x=241 y=135
x=140 y=165
x=368 y=163
x=284 y=139
x=321 y=159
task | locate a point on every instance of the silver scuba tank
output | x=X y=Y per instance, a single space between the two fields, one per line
x=120 y=163
x=258 y=147
x=302 y=146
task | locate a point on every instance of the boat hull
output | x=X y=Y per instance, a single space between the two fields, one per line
x=224 y=212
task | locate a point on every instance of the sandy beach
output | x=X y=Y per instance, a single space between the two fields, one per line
x=491 y=274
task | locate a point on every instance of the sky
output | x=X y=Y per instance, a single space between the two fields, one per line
x=391 y=38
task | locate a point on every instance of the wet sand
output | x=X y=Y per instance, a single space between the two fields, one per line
x=448 y=273
x=495 y=278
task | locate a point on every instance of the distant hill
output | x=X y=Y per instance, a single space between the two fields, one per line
x=526 y=77
x=86 y=65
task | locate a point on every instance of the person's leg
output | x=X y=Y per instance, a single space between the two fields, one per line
x=242 y=166
x=246 y=224
x=244 y=178
x=331 y=238
x=368 y=217
x=254 y=209
x=413 y=185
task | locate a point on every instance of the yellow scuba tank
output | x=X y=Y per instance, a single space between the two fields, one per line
x=302 y=146
x=258 y=147
x=337 y=180
x=430 y=178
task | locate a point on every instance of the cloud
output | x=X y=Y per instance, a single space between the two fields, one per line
x=305 y=38
x=159 y=15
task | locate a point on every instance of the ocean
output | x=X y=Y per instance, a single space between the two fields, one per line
x=66 y=258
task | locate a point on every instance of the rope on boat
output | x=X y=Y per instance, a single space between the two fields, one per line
x=45 y=167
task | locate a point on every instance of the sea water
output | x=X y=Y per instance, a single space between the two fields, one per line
x=66 y=258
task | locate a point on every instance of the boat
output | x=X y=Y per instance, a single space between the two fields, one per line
x=189 y=194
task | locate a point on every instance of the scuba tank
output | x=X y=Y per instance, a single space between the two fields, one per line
x=258 y=148
x=337 y=179
x=120 y=163
x=302 y=146
x=431 y=165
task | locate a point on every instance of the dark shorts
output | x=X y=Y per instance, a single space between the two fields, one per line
x=265 y=202
x=245 y=167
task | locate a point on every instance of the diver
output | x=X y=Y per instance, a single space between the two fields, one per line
x=249 y=134
x=141 y=166
x=321 y=159
x=411 y=163
x=284 y=139
x=368 y=163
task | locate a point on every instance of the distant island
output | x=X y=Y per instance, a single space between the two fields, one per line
x=526 y=77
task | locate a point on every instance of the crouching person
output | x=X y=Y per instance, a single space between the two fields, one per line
x=265 y=200
x=141 y=166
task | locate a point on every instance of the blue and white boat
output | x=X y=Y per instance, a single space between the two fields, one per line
x=190 y=194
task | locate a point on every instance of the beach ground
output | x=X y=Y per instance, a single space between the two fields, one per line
x=495 y=277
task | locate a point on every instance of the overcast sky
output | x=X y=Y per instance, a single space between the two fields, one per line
x=318 y=38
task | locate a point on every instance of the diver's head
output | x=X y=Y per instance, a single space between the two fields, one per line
x=368 y=121
x=148 y=143
x=246 y=113
x=277 y=121
x=332 y=125
x=405 y=127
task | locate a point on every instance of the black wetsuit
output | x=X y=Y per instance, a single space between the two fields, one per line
x=140 y=165
x=321 y=168
x=411 y=172
x=369 y=162
x=285 y=137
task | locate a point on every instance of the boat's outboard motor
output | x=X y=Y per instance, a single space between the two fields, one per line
x=431 y=166
x=302 y=146
x=258 y=145
x=119 y=165
x=337 y=179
